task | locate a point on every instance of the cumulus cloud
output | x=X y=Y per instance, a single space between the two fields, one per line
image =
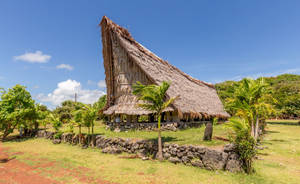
x=101 y=84
x=33 y=57
x=90 y=82
x=65 y=66
x=66 y=90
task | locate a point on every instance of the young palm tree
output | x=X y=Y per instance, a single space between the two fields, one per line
x=250 y=102
x=153 y=98
x=90 y=115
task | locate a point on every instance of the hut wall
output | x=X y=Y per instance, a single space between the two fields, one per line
x=126 y=73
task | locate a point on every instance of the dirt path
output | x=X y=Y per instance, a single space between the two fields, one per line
x=40 y=171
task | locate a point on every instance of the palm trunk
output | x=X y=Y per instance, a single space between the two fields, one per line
x=252 y=129
x=256 y=128
x=159 y=156
x=79 y=134
x=93 y=140
x=88 y=136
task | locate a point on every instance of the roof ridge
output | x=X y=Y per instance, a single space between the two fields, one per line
x=125 y=34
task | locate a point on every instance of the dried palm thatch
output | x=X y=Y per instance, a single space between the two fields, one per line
x=126 y=61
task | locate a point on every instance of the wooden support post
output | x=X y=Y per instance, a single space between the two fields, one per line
x=175 y=117
x=135 y=118
x=163 y=117
x=151 y=118
x=168 y=117
x=129 y=118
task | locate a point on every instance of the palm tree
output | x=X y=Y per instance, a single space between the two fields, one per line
x=89 y=117
x=250 y=102
x=153 y=98
x=243 y=141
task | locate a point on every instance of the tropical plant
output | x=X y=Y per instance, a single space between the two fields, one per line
x=285 y=89
x=153 y=98
x=16 y=109
x=250 y=102
x=243 y=141
x=56 y=123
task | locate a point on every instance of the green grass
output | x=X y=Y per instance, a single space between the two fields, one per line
x=283 y=121
x=187 y=136
x=279 y=163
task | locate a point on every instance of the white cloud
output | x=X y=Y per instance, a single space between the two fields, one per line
x=66 y=91
x=37 y=57
x=90 y=82
x=65 y=66
x=101 y=84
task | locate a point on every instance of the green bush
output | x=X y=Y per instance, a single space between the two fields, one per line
x=245 y=144
x=58 y=134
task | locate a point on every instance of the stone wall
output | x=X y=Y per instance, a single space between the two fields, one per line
x=171 y=126
x=198 y=156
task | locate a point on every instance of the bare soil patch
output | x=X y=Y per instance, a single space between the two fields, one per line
x=35 y=170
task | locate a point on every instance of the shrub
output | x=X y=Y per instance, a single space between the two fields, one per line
x=58 y=135
x=245 y=144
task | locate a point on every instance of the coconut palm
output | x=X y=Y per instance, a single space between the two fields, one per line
x=154 y=99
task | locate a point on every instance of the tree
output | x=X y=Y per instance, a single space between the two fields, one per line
x=16 y=108
x=65 y=111
x=285 y=89
x=250 y=102
x=42 y=113
x=154 y=99
x=99 y=105
x=56 y=123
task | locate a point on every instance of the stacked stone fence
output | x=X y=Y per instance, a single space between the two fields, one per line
x=198 y=156
x=171 y=126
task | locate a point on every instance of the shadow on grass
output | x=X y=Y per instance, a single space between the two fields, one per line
x=278 y=140
x=264 y=154
x=5 y=160
x=166 y=139
x=284 y=123
x=270 y=132
x=17 y=138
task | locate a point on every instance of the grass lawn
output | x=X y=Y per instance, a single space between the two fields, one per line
x=283 y=121
x=187 y=136
x=279 y=163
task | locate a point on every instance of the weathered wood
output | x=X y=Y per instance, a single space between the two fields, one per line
x=168 y=117
x=129 y=118
x=175 y=117
x=208 y=131
x=151 y=118
x=135 y=119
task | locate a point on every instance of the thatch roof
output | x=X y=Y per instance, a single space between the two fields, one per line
x=197 y=98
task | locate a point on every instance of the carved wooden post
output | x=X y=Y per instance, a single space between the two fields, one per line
x=208 y=131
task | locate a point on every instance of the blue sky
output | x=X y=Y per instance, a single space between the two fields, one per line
x=54 y=47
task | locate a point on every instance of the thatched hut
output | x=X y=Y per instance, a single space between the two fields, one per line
x=126 y=62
